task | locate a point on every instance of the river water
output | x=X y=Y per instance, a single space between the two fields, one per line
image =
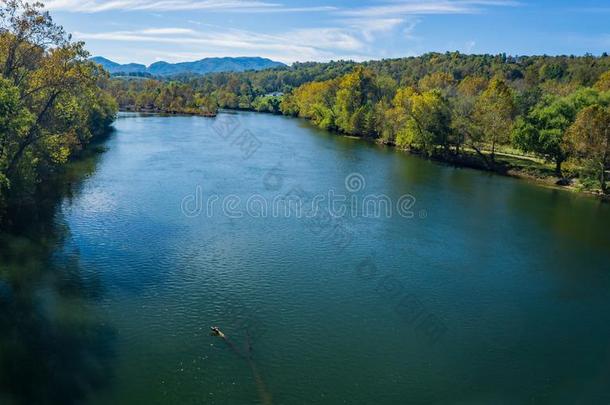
x=404 y=281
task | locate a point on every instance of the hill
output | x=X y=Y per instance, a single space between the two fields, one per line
x=201 y=67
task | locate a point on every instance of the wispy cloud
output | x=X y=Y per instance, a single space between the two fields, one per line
x=370 y=27
x=421 y=7
x=355 y=31
x=247 y=6
x=167 y=31
x=388 y=8
x=312 y=43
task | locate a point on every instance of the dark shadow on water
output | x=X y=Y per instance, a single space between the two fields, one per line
x=54 y=347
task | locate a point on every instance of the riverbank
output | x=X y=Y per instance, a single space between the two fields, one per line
x=188 y=111
x=507 y=163
x=526 y=168
x=35 y=207
x=520 y=167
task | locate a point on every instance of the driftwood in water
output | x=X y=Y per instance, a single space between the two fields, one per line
x=263 y=393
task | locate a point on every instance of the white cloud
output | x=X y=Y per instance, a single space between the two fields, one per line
x=300 y=44
x=167 y=31
x=370 y=27
x=420 y=7
x=248 y=6
x=387 y=9
x=355 y=32
x=409 y=29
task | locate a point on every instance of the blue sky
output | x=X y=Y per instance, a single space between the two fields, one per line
x=145 y=31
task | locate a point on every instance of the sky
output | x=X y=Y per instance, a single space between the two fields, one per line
x=147 y=31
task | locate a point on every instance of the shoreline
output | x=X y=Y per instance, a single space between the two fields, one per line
x=168 y=112
x=471 y=161
x=505 y=169
x=466 y=160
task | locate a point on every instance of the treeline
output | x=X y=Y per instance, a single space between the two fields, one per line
x=247 y=90
x=162 y=96
x=530 y=75
x=447 y=117
x=52 y=102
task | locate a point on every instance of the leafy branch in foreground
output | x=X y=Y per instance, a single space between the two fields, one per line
x=51 y=100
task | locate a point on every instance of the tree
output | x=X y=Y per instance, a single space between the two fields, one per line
x=356 y=91
x=444 y=82
x=26 y=31
x=553 y=70
x=52 y=102
x=288 y=106
x=428 y=122
x=542 y=131
x=57 y=76
x=395 y=118
x=14 y=123
x=316 y=101
x=462 y=111
x=590 y=135
x=603 y=84
x=267 y=104
x=493 y=113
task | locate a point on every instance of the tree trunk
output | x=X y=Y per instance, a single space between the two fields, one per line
x=558 y=163
x=482 y=155
x=604 y=162
x=602 y=178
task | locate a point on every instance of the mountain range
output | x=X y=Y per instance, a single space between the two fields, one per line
x=203 y=66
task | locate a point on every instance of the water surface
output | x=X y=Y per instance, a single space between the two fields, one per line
x=494 y=291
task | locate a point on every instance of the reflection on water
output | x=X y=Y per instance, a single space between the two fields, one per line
x=54 y=349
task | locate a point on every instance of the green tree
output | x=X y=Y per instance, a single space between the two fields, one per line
x=52 y=99
x=15 y=120
x=441 y=81
x=428 y=122
x=493 y=113
x=315 y=101
x=543 y=130
x=288 y=106
x=355 y=96
x=590 y=135
x=603 y=84
x=463 y=105
x=395 y=119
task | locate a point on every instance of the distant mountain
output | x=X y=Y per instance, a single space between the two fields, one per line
x=203 y=66
x=114 y=67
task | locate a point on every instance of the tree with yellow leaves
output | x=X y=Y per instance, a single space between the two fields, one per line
x=590 y=136
x=494 y=114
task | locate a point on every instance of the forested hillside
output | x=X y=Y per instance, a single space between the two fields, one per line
x=51 y=101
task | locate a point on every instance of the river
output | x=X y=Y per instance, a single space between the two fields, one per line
x=401 y=281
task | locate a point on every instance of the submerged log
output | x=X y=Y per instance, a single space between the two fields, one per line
x=261 y=387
